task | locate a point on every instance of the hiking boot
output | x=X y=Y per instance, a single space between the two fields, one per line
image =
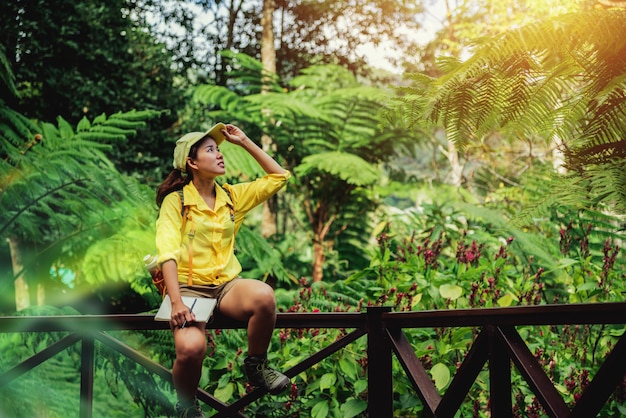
x=189 y=411
x=259 y=374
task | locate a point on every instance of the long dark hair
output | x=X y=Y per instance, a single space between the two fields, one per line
x=176 y=179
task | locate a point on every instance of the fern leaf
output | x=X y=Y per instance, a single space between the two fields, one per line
x=348 y=167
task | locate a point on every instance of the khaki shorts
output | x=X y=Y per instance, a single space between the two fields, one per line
x=209 y=291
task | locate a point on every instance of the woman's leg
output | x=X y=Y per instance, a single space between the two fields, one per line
x=252 y=301
x=191 y=347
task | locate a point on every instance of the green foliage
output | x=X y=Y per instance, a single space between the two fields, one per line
x=481 y=265
x=561 y=80
x=129 y=382
x=52 y=388
x=260 y=260
x=51 y=164
x=61 y=195
x=466 y=27
x=7 y=78
x=59 y=187
x=465 y=261
x=80 y=59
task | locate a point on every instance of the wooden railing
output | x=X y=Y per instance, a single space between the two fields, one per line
x=498 y=344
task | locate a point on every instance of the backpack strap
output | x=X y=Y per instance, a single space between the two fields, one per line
x=231 y=207
x=181 y=196
x=186 y=215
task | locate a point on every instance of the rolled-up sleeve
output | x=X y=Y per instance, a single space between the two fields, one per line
x=168 y=229
x=246 y=196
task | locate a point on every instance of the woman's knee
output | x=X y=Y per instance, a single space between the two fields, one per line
x=190 y=347
x=264 y=299
x=249 y=298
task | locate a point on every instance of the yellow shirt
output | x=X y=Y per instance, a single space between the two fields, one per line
x=214 y=261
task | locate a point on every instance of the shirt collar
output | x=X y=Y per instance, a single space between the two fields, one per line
x=193 y=198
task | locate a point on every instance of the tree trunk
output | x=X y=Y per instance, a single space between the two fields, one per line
x=558 y=157
x=318 y=260
x=321 y=227
x=456 y=168
x=268 y=59
x=268 y=52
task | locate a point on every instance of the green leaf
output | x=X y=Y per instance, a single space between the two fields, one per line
x=224 y=380
x=312 y=387
x=348 y=366
x=505 y=300
x=441 y=375
x=225 y=393
x=450 y=291
x=360 y=385
x=566 y=262
x=320 y=410
x=222 y=363
x=84 y=124
x=562 y=389
x=587 y=286
x=292 y=361
x=327 y=380
x=353 y=407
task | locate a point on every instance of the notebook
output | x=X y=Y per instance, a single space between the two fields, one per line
x=202 y=309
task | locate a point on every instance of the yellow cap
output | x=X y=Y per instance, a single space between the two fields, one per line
x=184 y=144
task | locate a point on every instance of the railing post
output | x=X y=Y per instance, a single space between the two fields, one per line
x=379 y=377
x=499 y=376
x=87 y=369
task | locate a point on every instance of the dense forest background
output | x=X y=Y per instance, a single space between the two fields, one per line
x=488 y=170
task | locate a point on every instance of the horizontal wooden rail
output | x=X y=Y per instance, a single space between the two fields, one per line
x=73 y=323
x=573 y=314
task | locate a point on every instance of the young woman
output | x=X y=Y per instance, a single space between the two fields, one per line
x=196 y=254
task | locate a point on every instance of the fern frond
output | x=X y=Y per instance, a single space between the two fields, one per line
x=239 y=164
x=608 y=183
x=531 y=244
x=95 y=136
x=535 y=80
x=267 y=261
x=7 y=78
x=16 y=126
x=559 y=79
x=350 y=168
x=61 y=180
x=217 y=96
x=568 y=191
x=138 y=116
x=252 y=77
x=282 y=106
x=319 y=80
